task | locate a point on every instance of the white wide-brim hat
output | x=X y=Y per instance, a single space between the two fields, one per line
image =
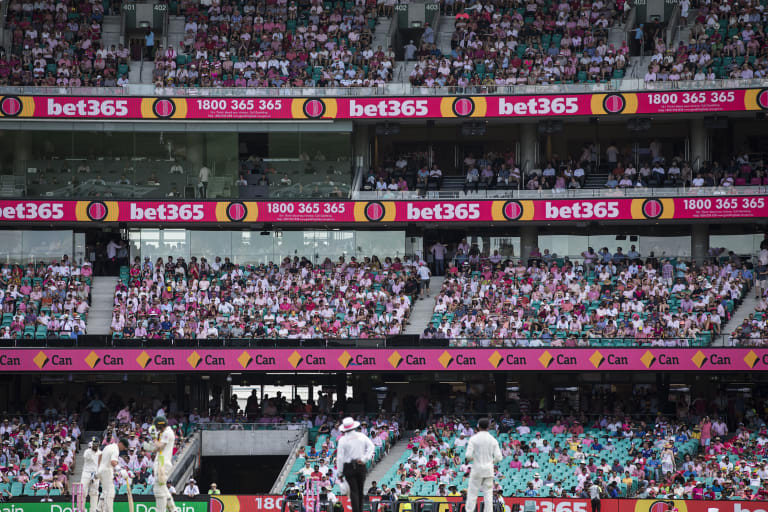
x=348 y=424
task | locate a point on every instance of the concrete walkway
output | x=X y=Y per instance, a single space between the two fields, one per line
x=390 y=459
x=102 y=299
x=742 y=312
x=421 y=313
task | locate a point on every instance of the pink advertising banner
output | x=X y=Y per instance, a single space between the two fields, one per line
x=383 y=360
x=309 y=212
x=378 y=108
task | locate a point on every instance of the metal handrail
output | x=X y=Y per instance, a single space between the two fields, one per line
x=285 y=472
x=89 y=342
x=256 y=425
x=582 y=193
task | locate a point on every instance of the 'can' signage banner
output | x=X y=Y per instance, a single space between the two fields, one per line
x=383 y=360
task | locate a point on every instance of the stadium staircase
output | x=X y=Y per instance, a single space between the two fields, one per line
x=421 y=312
x=141 y=72
x=445 y=33
x=175 y=31
x=393 y=457
x=110 y=34
x=102 y=298
x=453 y=183
x=382 y=36
x=739 y=314
x=596 y=180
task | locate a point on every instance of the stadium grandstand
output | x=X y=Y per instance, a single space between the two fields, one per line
x=250 y=226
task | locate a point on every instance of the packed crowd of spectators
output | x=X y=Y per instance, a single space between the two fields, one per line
x=753 y=331
x=680 y=446
x=493 y=170
x=727 y=40
x=44 y=300
x=60 y=44
x=276 y=44
x=498 y=42
x=37 y=453
x=740 y=171
x=133 y=423
x=295 y=299
x=315 y=466
x=546 y=459
x=559 y=456
x=556 y=302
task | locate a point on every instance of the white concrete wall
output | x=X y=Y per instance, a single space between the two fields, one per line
x=248 y=442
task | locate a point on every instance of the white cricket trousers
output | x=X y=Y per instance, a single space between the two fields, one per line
x=475 y=486
x=90 y=490
x=107 y=479
x=163 y=497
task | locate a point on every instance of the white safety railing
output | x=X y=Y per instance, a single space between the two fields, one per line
x=392 y=89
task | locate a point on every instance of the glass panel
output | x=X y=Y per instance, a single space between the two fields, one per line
x=669 y=245
x=161 y=243
x=508 y=246
x=79 y=248
x=414 y=246
x=250 y=247
x=597 y=242
x=380 y=243
x=46 y=245
x=740 y=244
x=221 y=156
x=332 y=244
x=10 y=246
x=209 y=244
x=284 y=146
x=294 y=243
x=325 y=146
x=563 y=245
x=134 y=243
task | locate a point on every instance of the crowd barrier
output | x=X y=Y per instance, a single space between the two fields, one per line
x=64 y=504
x=273 y=503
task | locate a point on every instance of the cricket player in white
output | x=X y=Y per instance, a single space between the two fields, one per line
x=108 y=461
x=89 y=478
x=482 y=452
x=163 y=465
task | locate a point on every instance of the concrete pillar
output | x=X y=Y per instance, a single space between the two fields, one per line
x=528 y=136
x=21 y=154
x=195 y=152
x=698 y=143
x=529 y=239
x=341 y=386
x=699 y=242
x=501 y=390
x=361 y=149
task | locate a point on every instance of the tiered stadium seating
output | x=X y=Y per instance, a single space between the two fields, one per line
x=345 y=299
x=42 y=300
x=60 y=45
x=557 y=303
x=274 y=45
